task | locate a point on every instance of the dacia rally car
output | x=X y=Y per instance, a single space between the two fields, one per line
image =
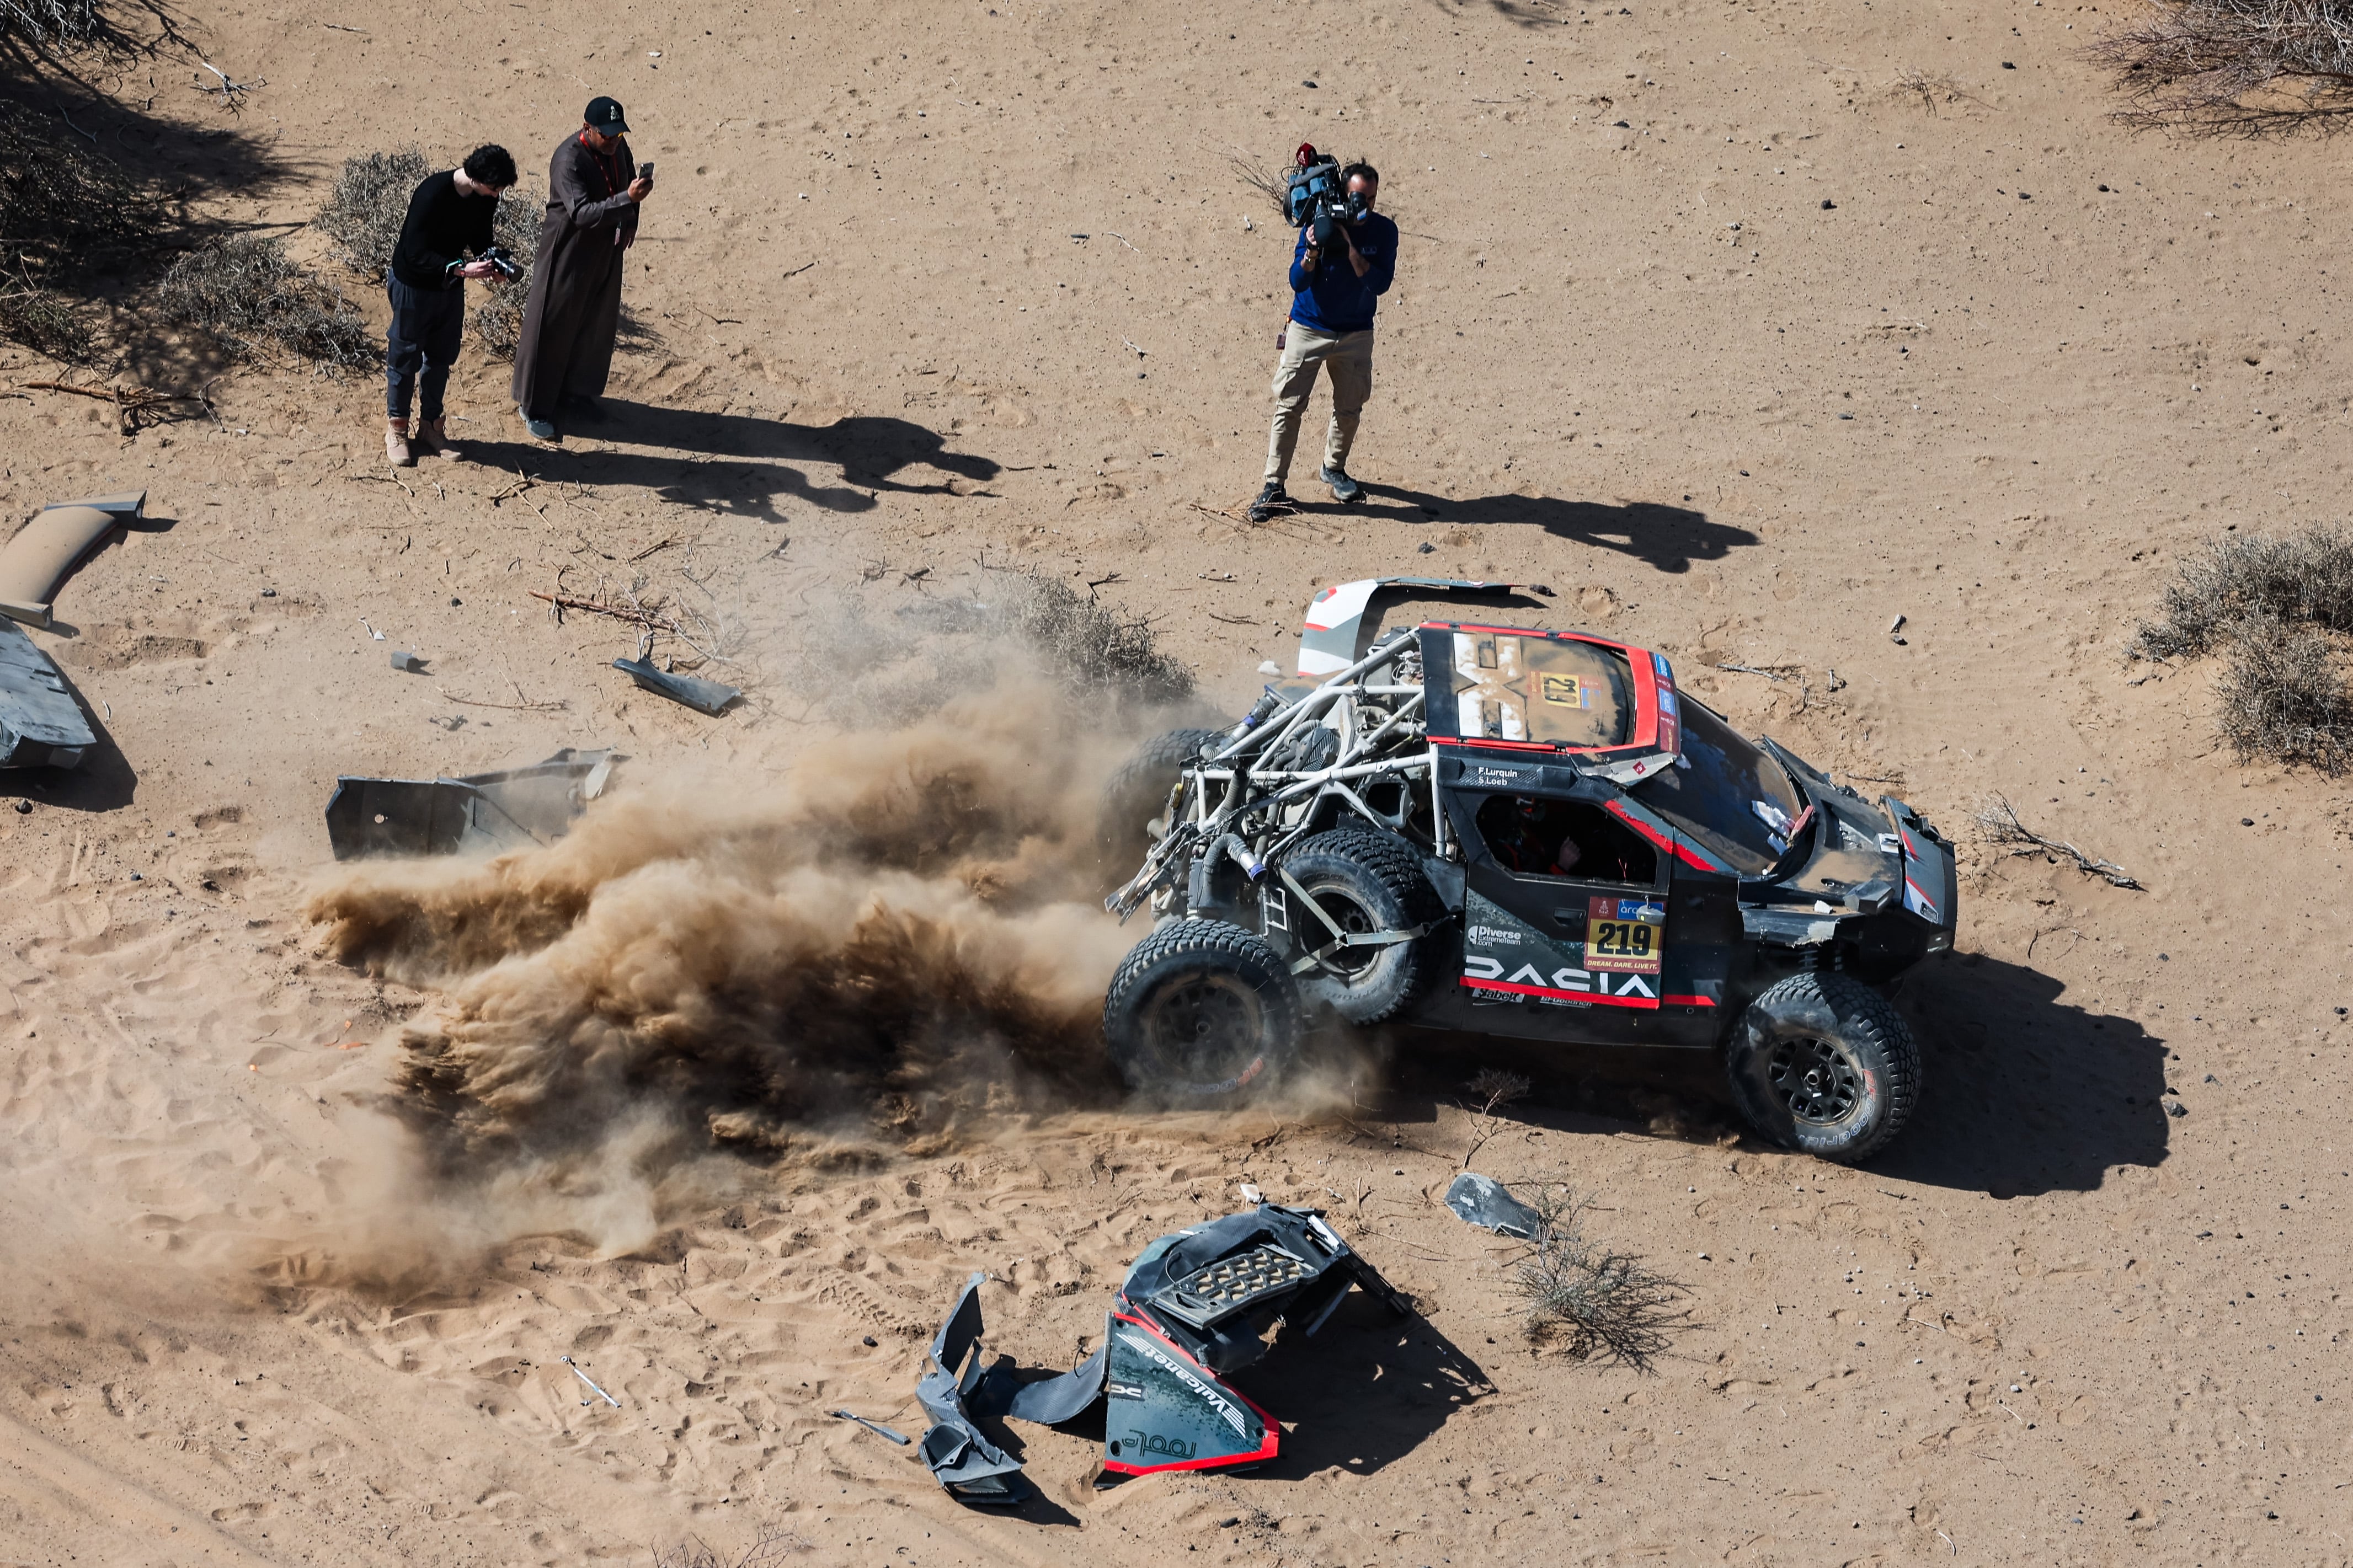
x=1523 y=833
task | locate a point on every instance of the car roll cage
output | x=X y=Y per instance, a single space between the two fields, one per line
x=1376 y=708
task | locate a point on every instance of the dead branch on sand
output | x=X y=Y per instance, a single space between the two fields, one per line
x=564 y=602
x=1493 y=1088
x=2000 y=819
x=130 y=402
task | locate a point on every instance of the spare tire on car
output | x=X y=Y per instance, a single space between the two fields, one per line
x=1368 y=884
x=1824 y=1065
x=1136 y=796
x=1202 y=1014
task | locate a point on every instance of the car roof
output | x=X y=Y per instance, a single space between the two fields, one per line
x=1607 y=706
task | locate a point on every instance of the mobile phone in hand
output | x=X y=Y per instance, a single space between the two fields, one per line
x=646 y=171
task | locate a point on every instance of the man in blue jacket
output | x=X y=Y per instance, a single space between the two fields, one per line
x=1337 y=277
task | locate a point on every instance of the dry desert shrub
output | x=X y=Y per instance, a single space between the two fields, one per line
x=2281 y=607
x=62 y=207
x=31 y=315
x=2296 y=577
x=1599 y=1301
x=249 y=294
x=1094 y=648
x=771 y=1547
x=57 y=199
x=365 y=207
x=2240 y=67
x=2284 y=695
x=52 y=21
x=498 y=320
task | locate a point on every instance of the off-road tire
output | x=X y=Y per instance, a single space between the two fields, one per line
x=1369 y=882
x=1202 y=1014
x=1138 y=793
x=1823 y=1064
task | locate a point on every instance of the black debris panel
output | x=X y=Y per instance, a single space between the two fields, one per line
x=708 y=696
x=1196 y=1306
x=481 y=814
x=41 y=725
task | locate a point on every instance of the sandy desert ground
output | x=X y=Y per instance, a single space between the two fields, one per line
x=1704 y=318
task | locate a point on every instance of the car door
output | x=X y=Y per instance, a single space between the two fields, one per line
x=1560 y=945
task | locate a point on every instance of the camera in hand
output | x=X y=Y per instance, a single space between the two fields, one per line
x=1319 y=198
x=499 y=256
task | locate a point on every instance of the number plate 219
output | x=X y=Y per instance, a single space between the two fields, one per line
x=1625 y=936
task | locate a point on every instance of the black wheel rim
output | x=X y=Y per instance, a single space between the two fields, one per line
x=1816 y=1080
x=1203 y=1032
x=1340 y=906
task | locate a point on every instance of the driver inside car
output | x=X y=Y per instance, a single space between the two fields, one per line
x=1527 y=849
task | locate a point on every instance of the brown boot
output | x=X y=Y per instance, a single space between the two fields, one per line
x=396 y=443
x=432 y=440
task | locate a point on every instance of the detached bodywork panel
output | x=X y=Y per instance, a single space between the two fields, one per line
x=41 y=725
x=45 y=551
x=1196 y=1306
x=481 y=814
x=704 y=696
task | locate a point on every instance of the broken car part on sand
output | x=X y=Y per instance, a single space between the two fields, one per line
x=41 y=725
x=1196 y=1307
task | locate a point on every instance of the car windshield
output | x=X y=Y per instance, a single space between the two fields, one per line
x=1731 y=797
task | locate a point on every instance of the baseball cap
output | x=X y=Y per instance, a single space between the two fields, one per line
x=605 y=114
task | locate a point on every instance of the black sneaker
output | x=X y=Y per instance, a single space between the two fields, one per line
x=1343 y=489
x=1272 y=501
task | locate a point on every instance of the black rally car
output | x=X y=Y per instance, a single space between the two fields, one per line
x=1523 y=833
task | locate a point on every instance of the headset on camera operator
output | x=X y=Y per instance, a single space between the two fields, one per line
x=1345 y=259
x=449 y=215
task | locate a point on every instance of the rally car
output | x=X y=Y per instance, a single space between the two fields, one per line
x=1526 y=833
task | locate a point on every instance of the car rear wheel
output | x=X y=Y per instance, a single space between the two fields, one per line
x=1137 y=797
x=1364 y=883
x=1202 y=1014
x=1823 y=1064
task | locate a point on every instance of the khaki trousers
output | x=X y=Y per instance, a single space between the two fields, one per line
x=1349 y=357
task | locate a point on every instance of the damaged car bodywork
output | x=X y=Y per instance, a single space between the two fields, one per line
x=41 y=725
x=1532 y=834
x=1196 y=1307
x=481 y=814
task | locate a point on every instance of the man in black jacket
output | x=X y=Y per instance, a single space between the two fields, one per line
x=448 y=216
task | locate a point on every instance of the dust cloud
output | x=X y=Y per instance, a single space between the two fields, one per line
x=890 y=945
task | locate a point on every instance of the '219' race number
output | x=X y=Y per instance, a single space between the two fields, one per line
x=1625 y=936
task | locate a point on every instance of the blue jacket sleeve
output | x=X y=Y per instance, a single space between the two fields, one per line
x=1301 y=279
x=1384 y=268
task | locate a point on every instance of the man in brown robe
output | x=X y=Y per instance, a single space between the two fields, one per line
x=575 y=309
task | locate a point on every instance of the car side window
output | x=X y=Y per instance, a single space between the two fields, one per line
x=1536 y=835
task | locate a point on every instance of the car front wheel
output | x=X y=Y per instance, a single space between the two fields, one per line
x=1823 y=1064
x=1202 y=1014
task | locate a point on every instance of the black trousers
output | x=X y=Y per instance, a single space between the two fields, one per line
x=425 y=326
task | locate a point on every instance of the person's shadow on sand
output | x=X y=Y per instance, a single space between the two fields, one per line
x=1669 y=537
x=2022 y=1094
x=738 y=463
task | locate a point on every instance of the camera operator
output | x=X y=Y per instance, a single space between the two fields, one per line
x=449 y=215
x=1342 y=267
x=593 y=188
